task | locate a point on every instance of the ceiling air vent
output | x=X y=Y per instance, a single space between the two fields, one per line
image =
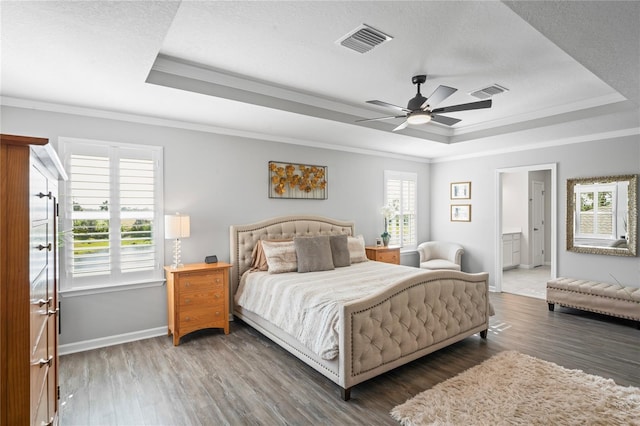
x=489 y=91
x=363 y=39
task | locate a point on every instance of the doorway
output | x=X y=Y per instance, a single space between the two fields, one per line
x=526 y=216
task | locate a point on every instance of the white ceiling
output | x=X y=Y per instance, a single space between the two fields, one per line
x=273 y=70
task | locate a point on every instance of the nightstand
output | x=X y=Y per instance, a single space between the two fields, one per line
x=384 y=254
x=197 y=298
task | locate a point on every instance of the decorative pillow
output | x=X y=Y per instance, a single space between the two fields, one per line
x=356 y=249
x=258 y=259
x=313 y=253
x=281 y=256
x=340 y=250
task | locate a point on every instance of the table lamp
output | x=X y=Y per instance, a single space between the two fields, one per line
x=176 y=226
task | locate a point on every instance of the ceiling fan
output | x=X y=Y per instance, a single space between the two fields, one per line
x=419 y=109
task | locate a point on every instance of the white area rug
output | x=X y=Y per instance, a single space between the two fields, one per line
x=516 y=389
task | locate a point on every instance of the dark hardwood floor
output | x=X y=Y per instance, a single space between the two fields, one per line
x=245 y=379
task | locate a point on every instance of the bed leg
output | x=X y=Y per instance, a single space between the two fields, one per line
x=345 y=393
x=483 y=334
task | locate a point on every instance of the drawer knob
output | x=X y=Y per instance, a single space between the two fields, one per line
x=42 y=302
x=42 y=362
x=217 y=296
x=187 y=300
x=187 y=284
x=187 y=318
x=49 y=195
x=217 y=280
x=41 y=247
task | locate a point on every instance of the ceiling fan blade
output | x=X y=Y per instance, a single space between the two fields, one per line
x=447 y=121
x=381 y=118
x=464 y=107
x=402 y=126
x=439 y=95
x=388 y=105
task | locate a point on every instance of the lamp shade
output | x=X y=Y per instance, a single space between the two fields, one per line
x=176 y=226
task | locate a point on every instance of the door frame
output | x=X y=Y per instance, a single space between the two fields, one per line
x=532 y=224
x=497 y=287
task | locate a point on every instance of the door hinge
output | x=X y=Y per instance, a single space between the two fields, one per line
x=58 y=393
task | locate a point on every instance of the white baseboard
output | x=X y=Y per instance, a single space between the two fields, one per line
x=117 y=339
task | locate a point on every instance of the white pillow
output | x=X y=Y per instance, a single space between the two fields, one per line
x=356 y=249
x=281 y=256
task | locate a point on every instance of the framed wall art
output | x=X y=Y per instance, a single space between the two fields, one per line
x=301 y=181
x=461 y=190
x=461 y=213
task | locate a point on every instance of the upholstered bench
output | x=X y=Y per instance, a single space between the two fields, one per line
x=603 y=298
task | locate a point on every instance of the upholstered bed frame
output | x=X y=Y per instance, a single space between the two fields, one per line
x=381 y=332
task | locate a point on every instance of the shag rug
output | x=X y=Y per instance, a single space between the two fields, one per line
x=516 y=389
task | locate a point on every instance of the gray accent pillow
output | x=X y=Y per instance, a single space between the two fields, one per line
x=313 y=253
x=340 y=250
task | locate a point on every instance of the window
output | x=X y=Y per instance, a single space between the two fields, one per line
x=110 y=214
x=595 y=218
x=400 y=191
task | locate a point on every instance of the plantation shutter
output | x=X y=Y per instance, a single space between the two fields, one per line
x=401 y=193
x=110 y=214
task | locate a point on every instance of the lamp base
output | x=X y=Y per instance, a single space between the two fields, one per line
x=177 y=263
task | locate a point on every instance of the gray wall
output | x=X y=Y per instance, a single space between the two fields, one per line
x=219 y=181
x=601 y=158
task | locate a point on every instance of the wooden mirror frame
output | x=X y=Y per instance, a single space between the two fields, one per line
x=632 y=236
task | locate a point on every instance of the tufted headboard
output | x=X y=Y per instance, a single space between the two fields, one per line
x=244 y=237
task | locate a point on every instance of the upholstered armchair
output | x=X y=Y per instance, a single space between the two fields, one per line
x=440 y=255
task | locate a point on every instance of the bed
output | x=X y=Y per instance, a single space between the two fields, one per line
x=406 y=314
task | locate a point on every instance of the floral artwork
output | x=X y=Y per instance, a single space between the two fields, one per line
x=297 y=181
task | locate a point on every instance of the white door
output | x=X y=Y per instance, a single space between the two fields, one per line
x=538 y=223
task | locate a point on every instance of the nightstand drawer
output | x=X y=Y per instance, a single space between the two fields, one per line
x=201 y=281
x=388 y=257
x=196 y=319
x=384 y=254
x=203 y=297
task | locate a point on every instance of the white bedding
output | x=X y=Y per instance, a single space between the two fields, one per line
x=306 y=305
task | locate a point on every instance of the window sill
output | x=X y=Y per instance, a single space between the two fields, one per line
x=86 y=291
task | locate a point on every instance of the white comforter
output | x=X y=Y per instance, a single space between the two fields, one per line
x=306 y=305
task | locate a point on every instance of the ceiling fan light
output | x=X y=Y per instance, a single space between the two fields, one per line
x=419 y=117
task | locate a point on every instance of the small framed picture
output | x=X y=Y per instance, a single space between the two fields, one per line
x=461 y=190
x=461 y=213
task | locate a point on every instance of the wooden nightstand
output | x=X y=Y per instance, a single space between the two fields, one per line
x=384 y=254
x=197 y=298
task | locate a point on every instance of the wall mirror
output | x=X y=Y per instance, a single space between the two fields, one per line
x=602 y=215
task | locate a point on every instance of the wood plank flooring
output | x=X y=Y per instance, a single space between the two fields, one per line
x=245 y=379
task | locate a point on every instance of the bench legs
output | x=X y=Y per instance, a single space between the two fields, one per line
x=483 y=334
x=551 y=306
